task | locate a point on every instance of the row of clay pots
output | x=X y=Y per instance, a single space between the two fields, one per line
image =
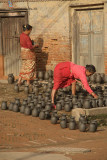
x=49 y=114
x=41 y=75
x=97 y=78
x=82 y=125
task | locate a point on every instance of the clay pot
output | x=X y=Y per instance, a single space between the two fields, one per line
x=17 y=101
x=81 y=99
x=62 y=102
x=75 y=105
x=82 y=127
x=58 y=106
x=39 y=96
x=33 y=94
x=54 y=119
x=100 y=102
x=67 y=107
x=46 y=76
x=92 y=78
x=93 y=101
x=35 y=89
x=63 y=123
x=47 y=114
x=35 y=112
x=74 y=99
x=29 y=99
x=79 y=104
x=22 y=108
x=88 y=79
x=42 y=115
x=50 y=85
x=92 y=127
x=87 y=104
x=26 y=89
x=10 y=78
x=27 y=111
x=48 y=106
x=4 y=105
x=35 y=82
x=50 y=72
x=72 y=124
x=25 y=102
x=43 y=104
x=16 y=88
x=63 y=117
x=82 y=118
x=11 y=106
x=31 y=105
x=40 y=75
x=49 y=90
x=35 y=100
x=98 y=79
x=15 y=108
x=46 y=98
x=45 y=87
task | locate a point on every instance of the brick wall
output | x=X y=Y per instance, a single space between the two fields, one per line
x=51 y=30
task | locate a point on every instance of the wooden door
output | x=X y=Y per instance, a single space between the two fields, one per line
x=90 y=38
x=11 y=29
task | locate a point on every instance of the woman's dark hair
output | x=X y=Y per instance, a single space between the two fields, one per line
x=27 y=27
x=91 y=68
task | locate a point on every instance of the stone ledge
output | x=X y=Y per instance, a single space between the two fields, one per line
x=96 y=111
x=88 y=112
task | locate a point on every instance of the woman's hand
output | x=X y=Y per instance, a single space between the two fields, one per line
x=94 y=95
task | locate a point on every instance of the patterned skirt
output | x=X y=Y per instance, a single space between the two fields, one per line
x=28 y=68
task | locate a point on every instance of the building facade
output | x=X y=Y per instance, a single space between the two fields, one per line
x=73 y=30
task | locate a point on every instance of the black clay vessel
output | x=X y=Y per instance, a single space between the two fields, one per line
x=63 y=123
x=46 y=76
x=67 y=107
x=58 y=106
x=82 y=127
x=35 y=112
x=87 y=104
x=92 y=127
x=54 y=119
x=74 y=99
x=4 y=105
x=72 y=124
x=17 y=101
x=10 y=78
x=22 y=108
x=27 y=111
x=11 y=106
x=16 y=88
x=48 y=106
x=98 y=79
x=29 y=99
x=40 y=75
x=100 y=102
x=25 y=102
x=26 y=89
x=15 y=108
x=42 y=115
x=35 y=89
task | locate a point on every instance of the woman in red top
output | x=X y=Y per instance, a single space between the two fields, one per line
x=67 y=73
x=27 y=55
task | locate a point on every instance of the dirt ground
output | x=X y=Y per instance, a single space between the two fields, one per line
x=26 y=133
